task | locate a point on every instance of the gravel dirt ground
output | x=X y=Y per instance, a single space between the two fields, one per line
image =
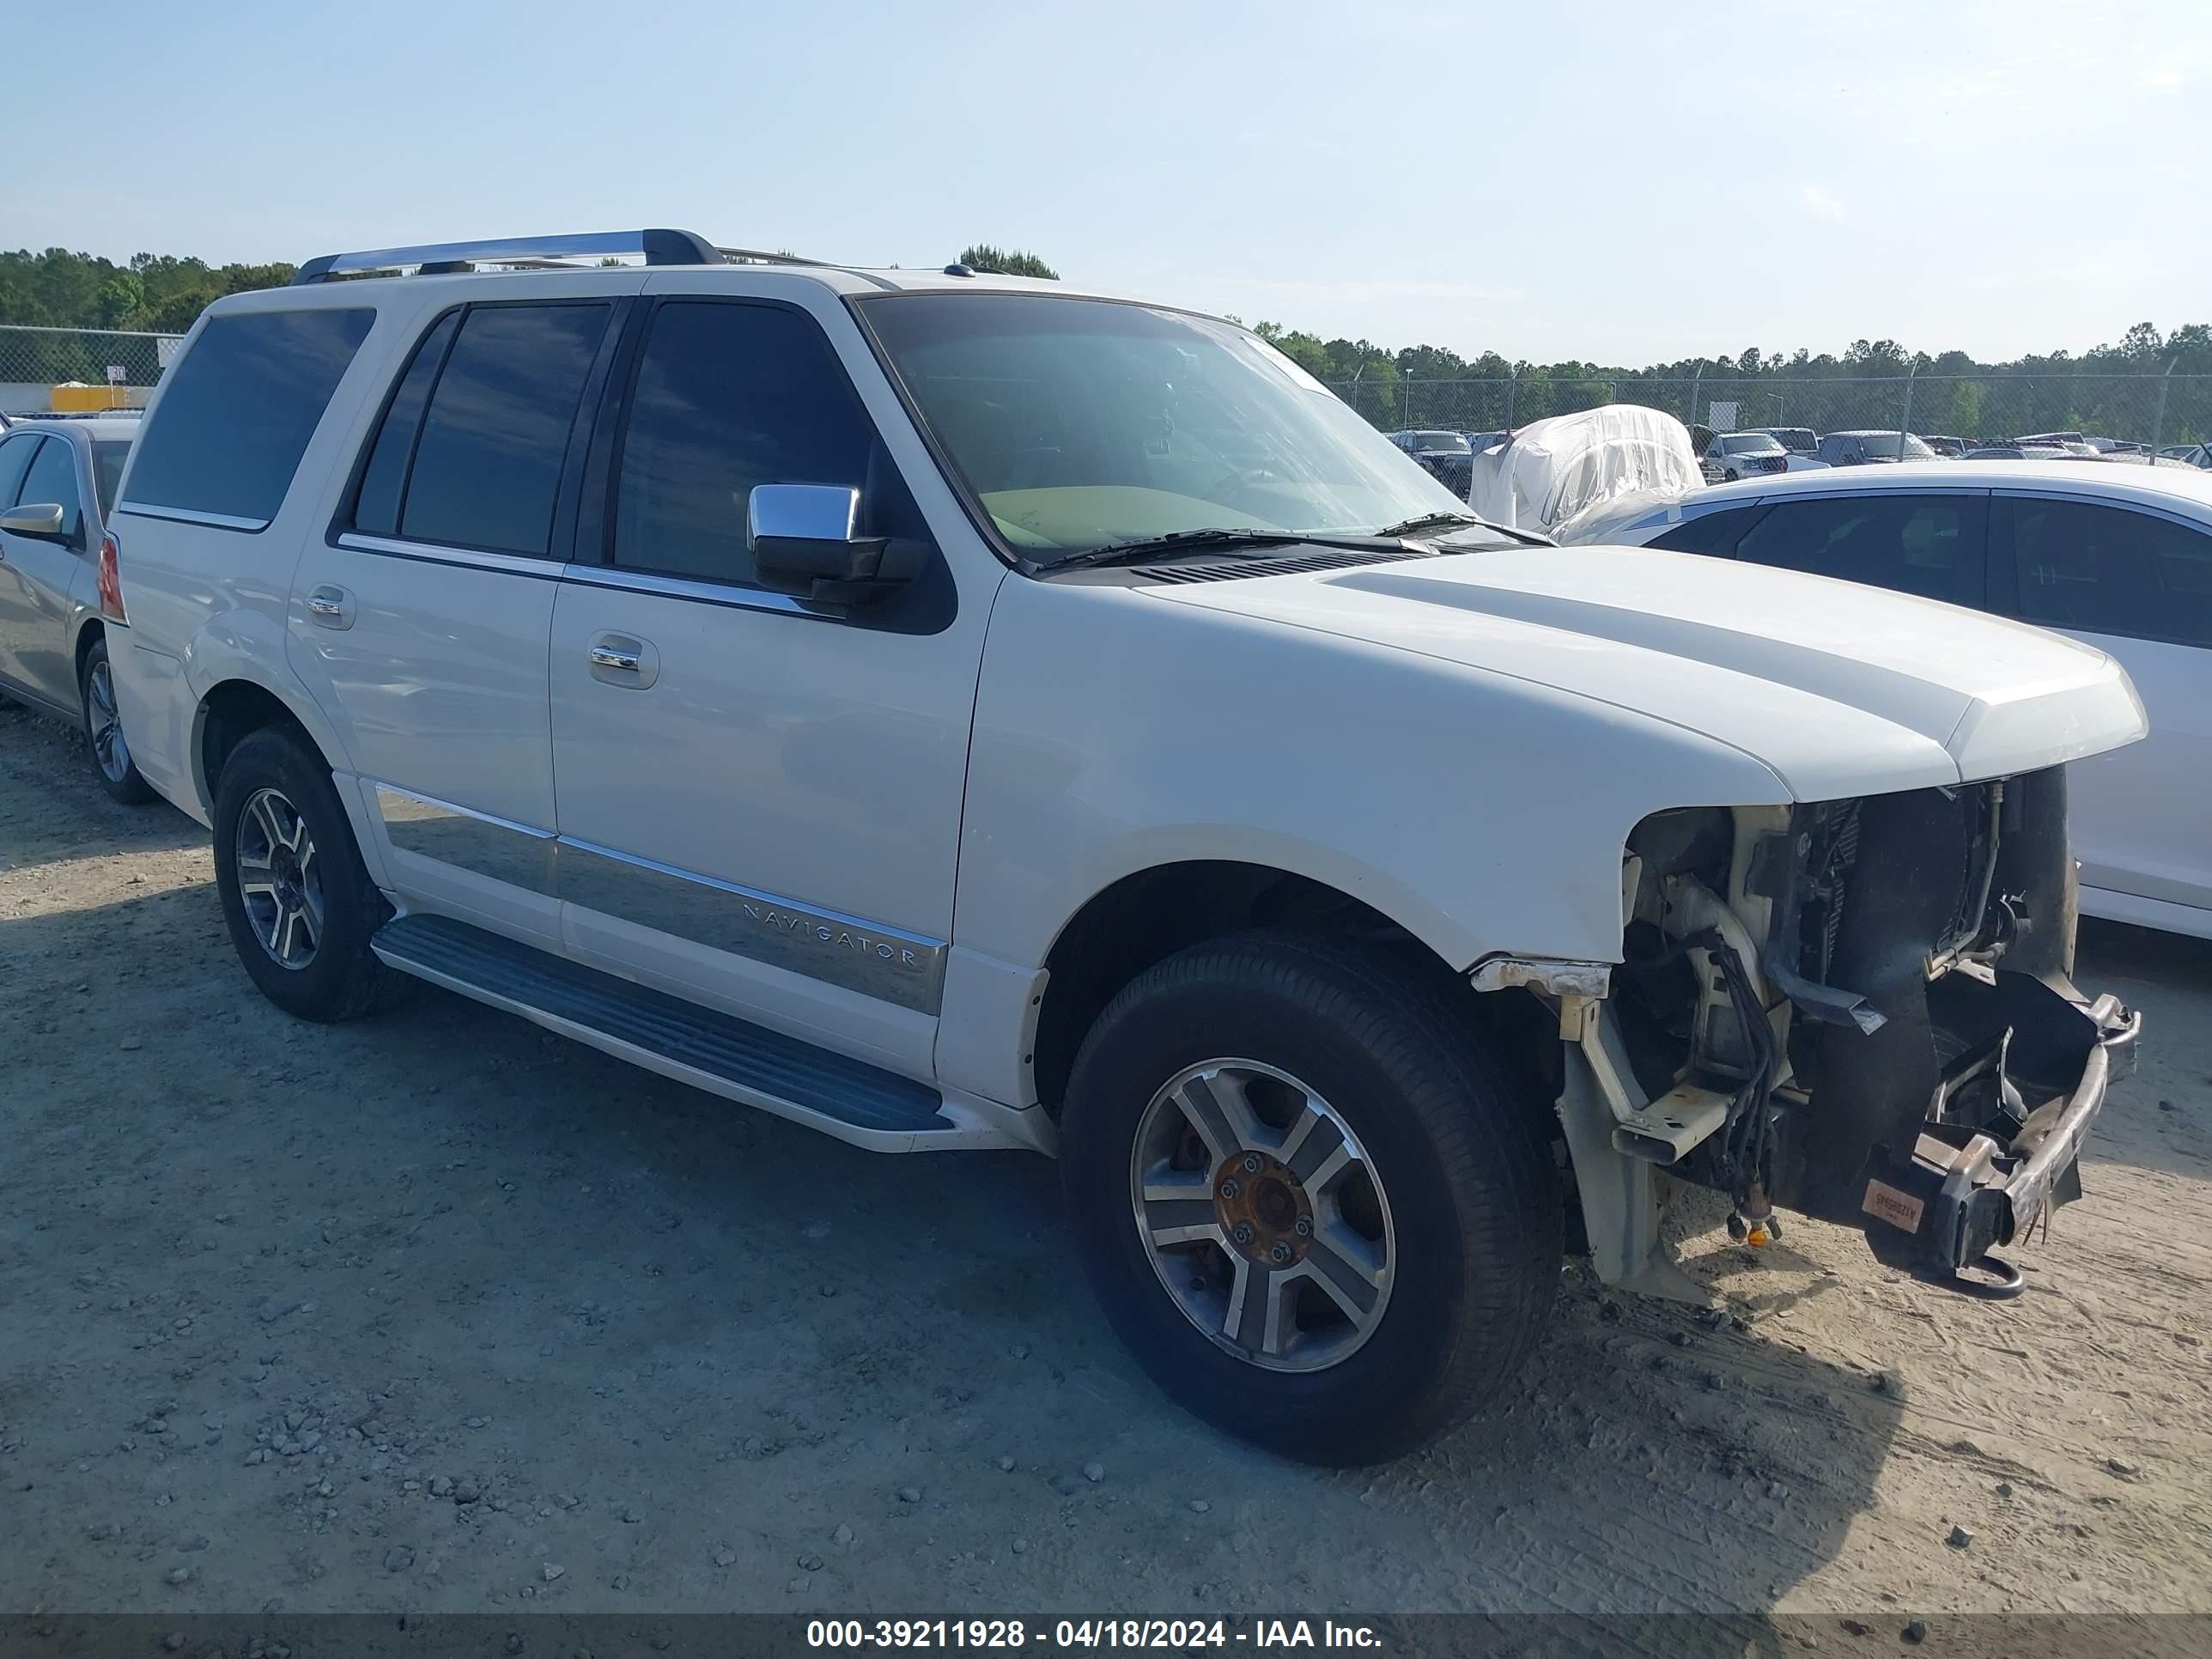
x=437 y=1312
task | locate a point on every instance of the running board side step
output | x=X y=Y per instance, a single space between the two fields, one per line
x=855 y=1101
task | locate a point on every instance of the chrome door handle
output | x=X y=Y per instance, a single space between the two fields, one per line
x=624 y=661
x=330 y=607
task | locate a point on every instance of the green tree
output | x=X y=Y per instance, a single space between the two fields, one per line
x=2106 y=390
x=1007 y=262
x=120 y=297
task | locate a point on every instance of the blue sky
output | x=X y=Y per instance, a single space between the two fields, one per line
x=1625 y=183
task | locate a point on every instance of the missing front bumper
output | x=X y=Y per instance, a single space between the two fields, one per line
x=1965 y=1185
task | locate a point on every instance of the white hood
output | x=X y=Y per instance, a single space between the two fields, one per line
x=1838 y=688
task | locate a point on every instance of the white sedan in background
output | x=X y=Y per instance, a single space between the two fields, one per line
x=2118 y=557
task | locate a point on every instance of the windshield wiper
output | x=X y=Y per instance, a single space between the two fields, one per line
x=1428 y=521
x=1193 y=541
x=1421 y=521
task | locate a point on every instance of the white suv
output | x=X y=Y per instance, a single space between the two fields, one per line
x=953 y=711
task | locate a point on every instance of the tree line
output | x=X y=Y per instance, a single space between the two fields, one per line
x=163 y=293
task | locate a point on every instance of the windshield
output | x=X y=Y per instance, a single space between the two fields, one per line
x=1885 y=443
x=1436 y=443
x=1753 y=444
x=1078 y=423
x=107 y=457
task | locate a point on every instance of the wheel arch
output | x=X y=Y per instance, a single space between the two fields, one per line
x=230 y=712
x=91 y=628
x=1148 y=915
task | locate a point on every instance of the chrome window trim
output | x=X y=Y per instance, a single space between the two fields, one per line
x=1858 y=491
x=683 y=587
x=192 y=515
x=520 y=564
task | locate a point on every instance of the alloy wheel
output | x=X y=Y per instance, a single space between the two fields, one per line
x=1263 y=1215
x=278 y=882
x=109 y=750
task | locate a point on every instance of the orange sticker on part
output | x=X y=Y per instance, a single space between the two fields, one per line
x=1899 y=1209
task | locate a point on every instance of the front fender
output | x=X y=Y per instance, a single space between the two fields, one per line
x=1480 y=812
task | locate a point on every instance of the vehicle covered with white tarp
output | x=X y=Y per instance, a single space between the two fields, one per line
x=1552 y=471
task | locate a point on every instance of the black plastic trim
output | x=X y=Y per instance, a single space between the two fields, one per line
x=749 y=1056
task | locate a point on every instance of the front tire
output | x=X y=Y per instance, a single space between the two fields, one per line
x=1311 y=1203
x=301 y=907
x=103 y=730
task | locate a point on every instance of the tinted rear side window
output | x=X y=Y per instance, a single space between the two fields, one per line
x=488 y=463
x=1712 y=533
x=2106 y=570
x=108 y=455
x=238 y=411
x=1931 y=546
x=377 y=507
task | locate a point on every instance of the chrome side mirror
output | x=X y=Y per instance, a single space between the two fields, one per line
x=806 y=541
x=43 y=520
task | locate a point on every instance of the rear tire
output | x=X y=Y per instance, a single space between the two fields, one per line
x=1446 y=1202
x=102 y=727
x=301 y=907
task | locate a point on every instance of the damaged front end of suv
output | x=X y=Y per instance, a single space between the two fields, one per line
x=1859 y=1009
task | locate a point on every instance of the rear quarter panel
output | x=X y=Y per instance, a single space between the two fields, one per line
x=209 y=603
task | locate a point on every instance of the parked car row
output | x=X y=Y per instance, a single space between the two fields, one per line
x=1803 y=449
x=57 y=481
x=1726 y=457
x=896 y=700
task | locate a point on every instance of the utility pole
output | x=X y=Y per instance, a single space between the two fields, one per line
x=2158 y=422
x=1904 y=420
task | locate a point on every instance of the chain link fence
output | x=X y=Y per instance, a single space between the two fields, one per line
x=119 y=368
x=2154 y=410
x=76 y=369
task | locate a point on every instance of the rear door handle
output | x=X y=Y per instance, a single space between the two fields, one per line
x=624 y=660
x=331 y=607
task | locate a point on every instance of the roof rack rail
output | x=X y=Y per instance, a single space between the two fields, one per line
x=753 y=256
x=658 y=248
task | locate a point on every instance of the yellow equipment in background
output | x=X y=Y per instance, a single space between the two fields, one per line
x=75 y=397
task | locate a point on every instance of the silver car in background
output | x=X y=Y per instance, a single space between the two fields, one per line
x=57 y=478
x=1867 y=448
x=1737 y=455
